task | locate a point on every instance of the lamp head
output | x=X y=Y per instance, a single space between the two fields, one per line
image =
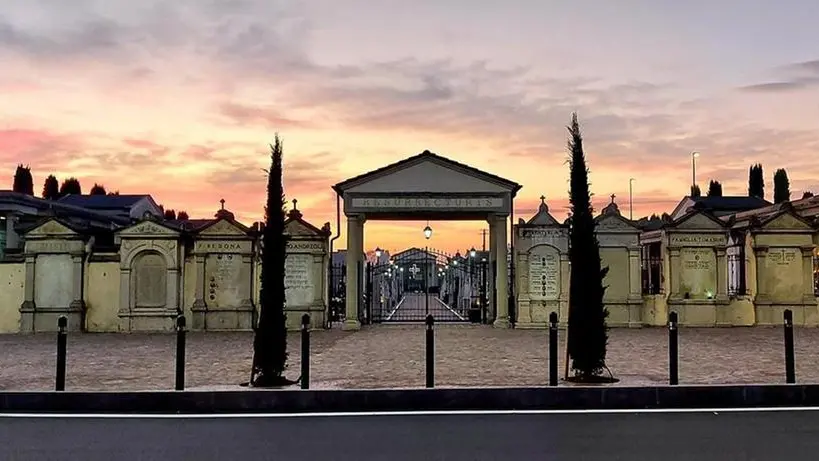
x=427 y=232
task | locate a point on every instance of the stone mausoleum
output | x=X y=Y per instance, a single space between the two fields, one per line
x=114 y=264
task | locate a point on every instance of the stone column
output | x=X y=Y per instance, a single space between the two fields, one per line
x=28 y=307
x=635 y=288
x=491 y=305
x=808 y=295
x=674 y=270
x=355 y=248
x=502 y=277
x=722 y=274
x=761 y=253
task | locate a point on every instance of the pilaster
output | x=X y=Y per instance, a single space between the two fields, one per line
x=674 y=271
x=722 y=274
x=27 y=308
x=808 y=295
x=634 y=277
x=761 y=254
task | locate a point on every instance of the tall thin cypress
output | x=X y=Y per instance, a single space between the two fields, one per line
x=270 y=342
x=588 y=332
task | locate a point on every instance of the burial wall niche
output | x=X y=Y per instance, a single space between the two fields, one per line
x=150 y=276
x=54 y=256
x=223 y=260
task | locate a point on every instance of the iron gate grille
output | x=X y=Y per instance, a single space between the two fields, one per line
x=418 y=282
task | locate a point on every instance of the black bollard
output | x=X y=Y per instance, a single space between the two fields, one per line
x=553 y=349
x=790 y=368
x=673 y=350
x=305 y=351
x=180 y=353
x=430 y=351
x=62 y=340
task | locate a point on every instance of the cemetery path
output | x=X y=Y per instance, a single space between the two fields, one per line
x=415 y=307
x=702 y=436
x=392 y=356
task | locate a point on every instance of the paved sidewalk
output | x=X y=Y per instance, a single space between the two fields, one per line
x=393 y=356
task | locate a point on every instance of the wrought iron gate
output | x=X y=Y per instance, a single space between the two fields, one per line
x=417 y=282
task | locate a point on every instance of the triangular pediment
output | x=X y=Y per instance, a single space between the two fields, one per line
x=614 y=222
x=297 y=227
x=698 y=221
x=427 y=173
x=52 y=228
x=786 y=221
x=148 y=229
x=223 y=227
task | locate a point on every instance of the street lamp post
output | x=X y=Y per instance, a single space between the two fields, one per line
x=631 y=199
x=694 y=156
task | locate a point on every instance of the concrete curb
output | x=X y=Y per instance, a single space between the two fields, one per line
x=441 y=399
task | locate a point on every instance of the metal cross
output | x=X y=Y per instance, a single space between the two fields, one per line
x=414 y=270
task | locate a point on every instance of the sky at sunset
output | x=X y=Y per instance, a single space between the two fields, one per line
x=179 y=99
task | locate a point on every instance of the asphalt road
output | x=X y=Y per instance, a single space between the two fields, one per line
x=777 y=436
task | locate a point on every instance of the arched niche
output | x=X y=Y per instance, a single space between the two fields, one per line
x=149 y=277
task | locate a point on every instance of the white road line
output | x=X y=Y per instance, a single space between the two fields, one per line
x=396 y=307
x=406 y=413
x=462 y=318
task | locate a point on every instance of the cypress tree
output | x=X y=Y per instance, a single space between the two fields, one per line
x=782 y=186
x=695 y=191
x=51 y=188
x=714 y=189
x=98 y=189
x=588 y=332
x=270 y=342
x=756 y=181
x=70 y=186
x=23 y=181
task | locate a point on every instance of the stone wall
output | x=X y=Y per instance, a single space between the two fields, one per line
x=102 y=285
x=12 y=288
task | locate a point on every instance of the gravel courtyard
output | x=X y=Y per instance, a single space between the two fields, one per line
x=390 y=356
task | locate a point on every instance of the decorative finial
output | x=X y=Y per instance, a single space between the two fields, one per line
x=542 y=199
x=222 y=201
x=612 y=197
x=294 y=204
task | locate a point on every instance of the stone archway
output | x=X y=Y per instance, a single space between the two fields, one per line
x=428 y=186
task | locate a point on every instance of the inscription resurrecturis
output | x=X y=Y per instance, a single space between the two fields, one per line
x=404 y=203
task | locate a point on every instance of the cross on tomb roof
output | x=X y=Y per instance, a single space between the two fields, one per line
x=222 y=201
x=294 y=204
x=612 y=197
